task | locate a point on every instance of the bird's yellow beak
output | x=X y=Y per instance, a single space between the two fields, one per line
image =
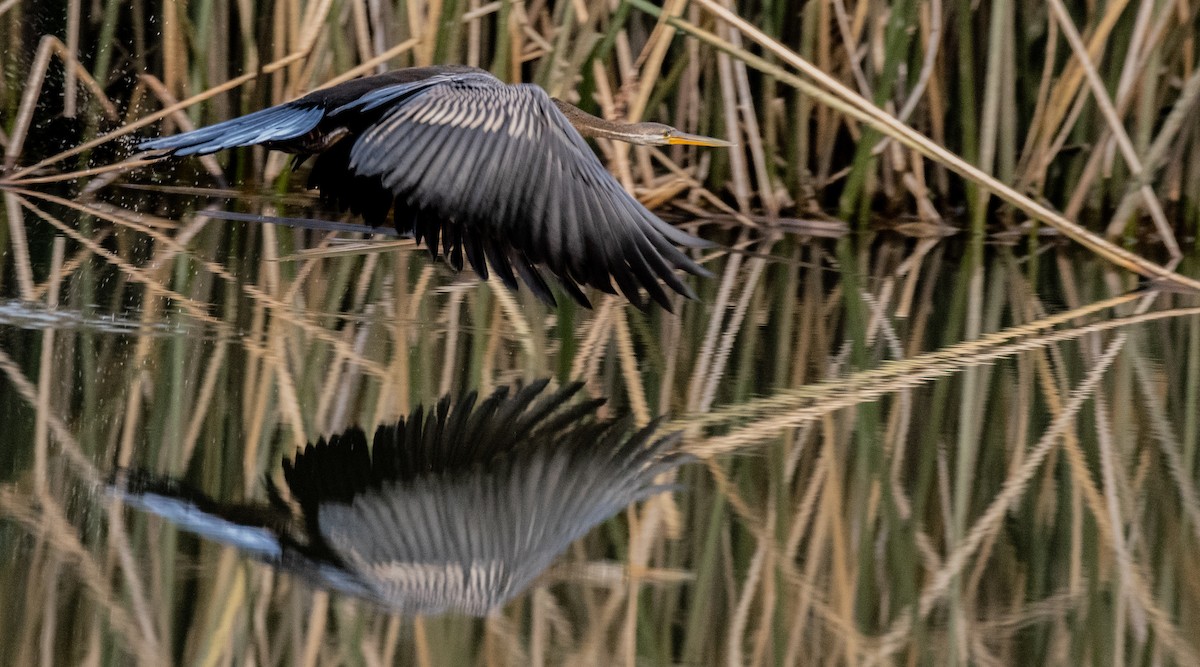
x=685 y=139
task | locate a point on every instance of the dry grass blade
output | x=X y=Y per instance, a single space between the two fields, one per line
x=1100 y=94
x=905 y=367
x=849 y=102
x=1014 y=487
x=48 y=522
x=51 y=45
x=281 y=310
x=871 y=488
x=15 y=177
x=856 y=390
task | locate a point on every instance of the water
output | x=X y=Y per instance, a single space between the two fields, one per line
x=905 y=447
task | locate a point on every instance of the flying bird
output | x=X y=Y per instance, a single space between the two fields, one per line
x=455 y=509
x=473 y=166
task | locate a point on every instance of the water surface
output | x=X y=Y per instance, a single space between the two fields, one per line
x=906 y=447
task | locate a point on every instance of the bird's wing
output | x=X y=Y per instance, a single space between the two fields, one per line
x=468 y=541
x=497 y=171
x=279 y=123
x=448 y=437
x=286 y=126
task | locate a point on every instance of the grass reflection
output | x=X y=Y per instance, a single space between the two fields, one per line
x=824 y=521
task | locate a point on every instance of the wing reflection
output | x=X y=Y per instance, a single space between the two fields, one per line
x=454 y=509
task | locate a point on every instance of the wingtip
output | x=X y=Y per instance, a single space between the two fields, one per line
x=156 y=145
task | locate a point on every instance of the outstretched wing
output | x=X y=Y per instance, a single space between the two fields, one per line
x=470 y=539
x=452 y=436
x=479 y=170
x=305 y=124
x=497 y=171
x=277 y=124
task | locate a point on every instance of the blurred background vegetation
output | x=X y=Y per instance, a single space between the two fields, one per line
x=1001 y=84
x=913 y=450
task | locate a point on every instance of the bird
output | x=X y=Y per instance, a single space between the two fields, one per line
x=500 y=173
x=454 y=509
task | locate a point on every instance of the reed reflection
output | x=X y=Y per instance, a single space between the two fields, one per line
x=456 y=508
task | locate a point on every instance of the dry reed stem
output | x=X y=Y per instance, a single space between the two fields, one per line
x=752 y=131
x=840 y=397
x=629 y=369
x=171 y=247
x=116 y=168
x=450 y=352
x=47 y=521
x=20 y=246
x=736 y=631
x=1100 y=94
x=41 y=434
x=152 y=118
x=700 y=368
x=899 y=368
x=1101 y=157
x=717 y=369
x=51 y=45
x=220 y=640
x=592 y=340
x=850 y=103
x=520 y=325
x=1165 y=141
x=145 y=278
x=1069 y=87
x=366 y=66
x=1169 y=444
x=1117 y=540
x=203 y=401
x=315 y=631
x=739 y=173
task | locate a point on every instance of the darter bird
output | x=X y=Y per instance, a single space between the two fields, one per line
x=489 y=170
x=454 y=509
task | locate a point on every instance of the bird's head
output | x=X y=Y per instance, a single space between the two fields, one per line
x=658 y=134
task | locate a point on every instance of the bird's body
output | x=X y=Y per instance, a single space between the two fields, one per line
x=457 y=508
x=476 y=168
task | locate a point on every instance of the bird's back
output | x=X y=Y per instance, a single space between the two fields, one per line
x=344 y=93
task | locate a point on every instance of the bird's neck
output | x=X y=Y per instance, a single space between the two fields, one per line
x=595 y=127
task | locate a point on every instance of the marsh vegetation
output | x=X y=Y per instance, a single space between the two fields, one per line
x=942 y=390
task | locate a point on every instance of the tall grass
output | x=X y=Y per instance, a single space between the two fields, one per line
x=1083 y=106
x=909 y=451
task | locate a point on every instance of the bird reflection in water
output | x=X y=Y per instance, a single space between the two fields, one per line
x=498 y=172
x=454 y=509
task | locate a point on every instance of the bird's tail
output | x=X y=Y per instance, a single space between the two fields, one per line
x=255 y=529
x=270 y=126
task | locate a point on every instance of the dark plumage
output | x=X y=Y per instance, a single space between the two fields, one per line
x=456 y=508
x=483 y=172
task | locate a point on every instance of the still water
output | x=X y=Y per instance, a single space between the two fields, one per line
x=890 y=449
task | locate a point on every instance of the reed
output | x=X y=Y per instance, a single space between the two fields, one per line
x=910 y=451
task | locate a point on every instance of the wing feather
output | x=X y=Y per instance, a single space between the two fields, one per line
x=471 y=536
x=501 y=162
x=491 y=169
x=276 y=124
